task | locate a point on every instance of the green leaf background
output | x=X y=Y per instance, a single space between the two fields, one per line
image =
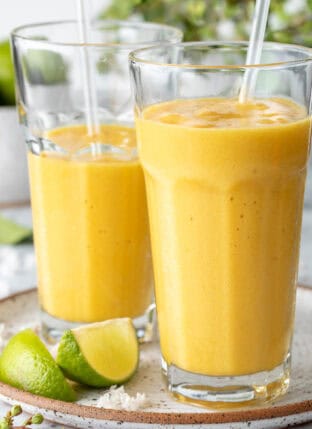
x=290 y=20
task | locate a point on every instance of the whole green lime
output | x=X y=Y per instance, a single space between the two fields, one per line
x=26 y=363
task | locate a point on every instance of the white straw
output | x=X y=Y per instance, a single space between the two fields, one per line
x=255 y=46
x=88 y=71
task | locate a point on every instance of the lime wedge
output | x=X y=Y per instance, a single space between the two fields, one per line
x=25 y=363
x=101 y=354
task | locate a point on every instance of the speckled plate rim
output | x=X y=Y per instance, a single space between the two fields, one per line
x=208 y=417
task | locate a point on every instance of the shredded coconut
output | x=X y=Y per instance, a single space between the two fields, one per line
x=117 y=399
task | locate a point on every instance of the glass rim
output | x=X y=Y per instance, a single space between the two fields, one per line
x=134 y=56
x=175 y=33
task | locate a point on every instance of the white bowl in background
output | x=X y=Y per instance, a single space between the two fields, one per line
x=14 y=187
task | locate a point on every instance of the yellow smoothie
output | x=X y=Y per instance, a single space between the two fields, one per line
x=225 y=184
x=90 y=227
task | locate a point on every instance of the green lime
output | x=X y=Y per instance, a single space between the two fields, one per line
x=7 y=92
x=25 y=363
x=101 y=354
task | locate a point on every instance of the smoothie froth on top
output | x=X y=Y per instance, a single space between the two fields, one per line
x=226 y=113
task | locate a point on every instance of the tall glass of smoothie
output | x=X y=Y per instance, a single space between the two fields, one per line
x=87 y=190
x=225 y=184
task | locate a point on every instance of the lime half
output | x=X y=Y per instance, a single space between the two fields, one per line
x=26 y=363
x=101 y=354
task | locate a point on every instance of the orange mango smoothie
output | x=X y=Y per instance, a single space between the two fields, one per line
x=90 y=227
x=225 y=184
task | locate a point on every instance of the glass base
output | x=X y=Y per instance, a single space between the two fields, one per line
x=52 y=328
x=218 y=391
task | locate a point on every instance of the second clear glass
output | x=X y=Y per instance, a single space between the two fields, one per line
x=87 y=189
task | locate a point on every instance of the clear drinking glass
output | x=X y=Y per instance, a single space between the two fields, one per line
x=225 y=183
x=87 y=188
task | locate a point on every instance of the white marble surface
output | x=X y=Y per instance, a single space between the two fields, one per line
x=17 y=272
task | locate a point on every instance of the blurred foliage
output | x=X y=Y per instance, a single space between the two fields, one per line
x=290 y=20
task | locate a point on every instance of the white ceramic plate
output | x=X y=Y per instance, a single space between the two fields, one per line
x=295 y=407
